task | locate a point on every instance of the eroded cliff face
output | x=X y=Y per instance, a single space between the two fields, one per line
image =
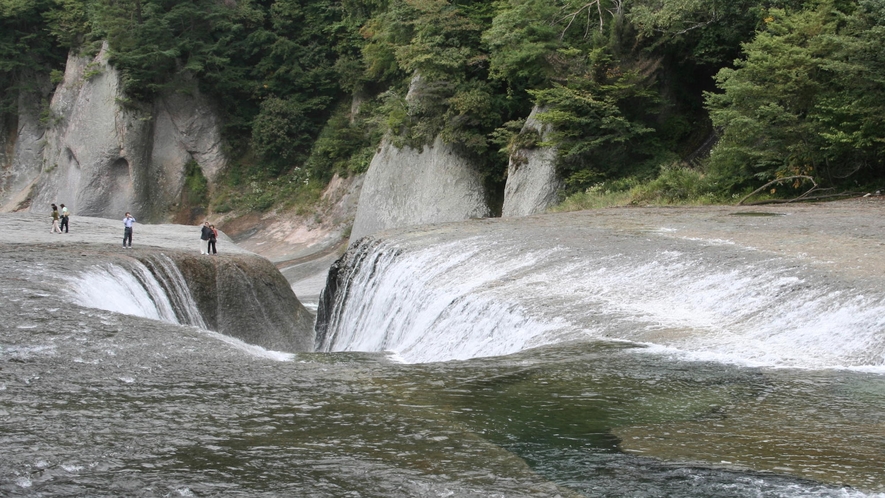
x=532 y=182
x=22 y=143
x=406 y=187
x=101 y=158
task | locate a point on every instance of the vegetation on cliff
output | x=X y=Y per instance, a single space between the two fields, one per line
x=637 y=91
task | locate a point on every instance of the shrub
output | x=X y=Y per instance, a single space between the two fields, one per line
x=675 y=184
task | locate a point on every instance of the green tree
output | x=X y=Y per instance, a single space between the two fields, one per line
x=26 y=50
x=806 y=99
x=438 y=43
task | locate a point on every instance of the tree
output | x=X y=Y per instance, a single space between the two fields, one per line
x=806 y=99
x=25 y=49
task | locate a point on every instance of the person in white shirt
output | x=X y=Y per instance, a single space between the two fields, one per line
x=128 y=221
x=64 y=218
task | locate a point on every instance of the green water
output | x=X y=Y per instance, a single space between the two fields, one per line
x=140 y=408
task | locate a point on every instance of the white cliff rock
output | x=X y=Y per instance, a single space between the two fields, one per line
x=102 y=158
x=185 y=128
x=21 y=147
x=532 y=182
x=406 y=187
x=86 y=162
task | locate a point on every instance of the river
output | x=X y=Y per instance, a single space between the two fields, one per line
x=467 y=378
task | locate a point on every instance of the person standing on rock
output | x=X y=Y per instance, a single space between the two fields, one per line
x=64 y=218
x=213 y=238
x=128 y=221
x=55 y=228
x=205 y=235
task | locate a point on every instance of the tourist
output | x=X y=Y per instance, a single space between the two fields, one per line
x=64 y=218
x=128 y=221
x=205 y=234
x=55 y=217
x=213 y=238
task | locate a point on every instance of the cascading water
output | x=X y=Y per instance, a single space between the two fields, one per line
x=96 y=402
x=131 y=291
x=172 y=280
x=135 y=290
x=437 y=297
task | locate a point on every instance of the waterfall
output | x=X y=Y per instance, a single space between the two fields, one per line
x=442 y=296
x=172 y=281
x=132 y=288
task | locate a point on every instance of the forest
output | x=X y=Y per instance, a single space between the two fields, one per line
x=663 y=100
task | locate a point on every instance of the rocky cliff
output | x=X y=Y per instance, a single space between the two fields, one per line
x=406 y=186
x=100 y=157
x=532 y=182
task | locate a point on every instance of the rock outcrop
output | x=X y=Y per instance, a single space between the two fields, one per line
x=406 y=186
x=532 y=182
x=101 y=157
x=21 y=144
x=246 y=297
x=236 y=293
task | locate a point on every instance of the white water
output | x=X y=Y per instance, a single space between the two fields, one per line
x=134 y=290
x=114 y=288
x=482 y=297
x=178 y=290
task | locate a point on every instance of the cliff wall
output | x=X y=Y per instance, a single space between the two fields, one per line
x=406 y=186
x=100 y=157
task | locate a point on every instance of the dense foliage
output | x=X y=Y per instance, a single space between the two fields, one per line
x=807 y=98
x=633 y=89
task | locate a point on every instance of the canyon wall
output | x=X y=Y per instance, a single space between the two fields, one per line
x=406 y=186
x=101 y=156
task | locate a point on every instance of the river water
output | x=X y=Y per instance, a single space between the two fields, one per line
x=148 y=409
x=541 y=385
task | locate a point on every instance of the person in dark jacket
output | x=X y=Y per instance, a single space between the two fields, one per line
x=205 y=234
x=213 y=238
x=64 y=218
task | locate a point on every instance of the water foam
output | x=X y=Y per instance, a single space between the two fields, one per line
x=481 y=297
x=130 y=291
x=432 y=305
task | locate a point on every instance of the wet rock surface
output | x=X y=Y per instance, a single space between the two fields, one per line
x=237 y=292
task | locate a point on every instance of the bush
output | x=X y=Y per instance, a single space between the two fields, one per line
x=196 y=186
x=600 y=195
x=676 y=184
